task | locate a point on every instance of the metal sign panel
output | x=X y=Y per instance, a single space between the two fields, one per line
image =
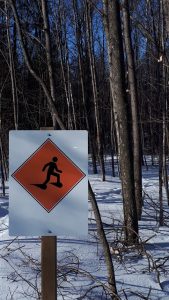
x=48 y=182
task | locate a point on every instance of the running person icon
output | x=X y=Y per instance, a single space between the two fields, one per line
x=52 y=171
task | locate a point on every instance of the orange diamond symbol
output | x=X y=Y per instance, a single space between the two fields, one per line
x=48 y=175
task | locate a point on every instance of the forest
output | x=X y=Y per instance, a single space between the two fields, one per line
x=100 y=66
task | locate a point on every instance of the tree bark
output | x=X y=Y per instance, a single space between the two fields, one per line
x=161 y=215
x=166 y=15
x=2 y=169
x=112 y=142
x=94 y=87
x=46 y=29
x=163 y=96
x=69 y=118
x=12 y=71
x=103 y=240
x=79 y=48
x=134 y=108
x=112 y=23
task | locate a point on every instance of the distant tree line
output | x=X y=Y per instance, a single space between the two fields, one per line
x=95 y=65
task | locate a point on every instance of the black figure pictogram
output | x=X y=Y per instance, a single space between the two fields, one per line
x=52 y=170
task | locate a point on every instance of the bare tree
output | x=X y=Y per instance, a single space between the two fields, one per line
x=134 y=107
x=12 y=69
x=49 y=95
x=94 y=86
x=46 y=29
x=112 y=24
x=103 y=240
x=77 y=25
x=164 y=94
x=166 y=15
x=101 y=233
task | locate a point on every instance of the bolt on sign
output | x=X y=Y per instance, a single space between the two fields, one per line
x=48 y=189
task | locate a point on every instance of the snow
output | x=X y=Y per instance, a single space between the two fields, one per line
x=140 y=271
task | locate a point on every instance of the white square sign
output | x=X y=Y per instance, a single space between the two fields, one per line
x=48 y=185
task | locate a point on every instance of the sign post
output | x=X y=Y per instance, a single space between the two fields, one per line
x=48 y=263
x=49 y=267
x=48 y=191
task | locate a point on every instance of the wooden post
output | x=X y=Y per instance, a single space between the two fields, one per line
x=49 y=265
x=48 y=262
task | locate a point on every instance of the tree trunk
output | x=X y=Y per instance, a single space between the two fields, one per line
x=94 y=87
x=79 y=48
x=51 y=103
x=166 y=15
x=103 y=240
x=46 y=29
x=161 y=217
x=12 y=71
x=49 y=54
x=112 y=24
x=112 y=143
x=163 y=96
x=69 y=119
x=2 y=170
x=134 y=108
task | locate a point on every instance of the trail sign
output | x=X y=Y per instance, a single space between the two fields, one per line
x=43 y=180
x=48 y=182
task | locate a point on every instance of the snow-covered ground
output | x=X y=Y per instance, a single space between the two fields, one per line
x=141 y=272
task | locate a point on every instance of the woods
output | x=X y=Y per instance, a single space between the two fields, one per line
x=101 y=66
